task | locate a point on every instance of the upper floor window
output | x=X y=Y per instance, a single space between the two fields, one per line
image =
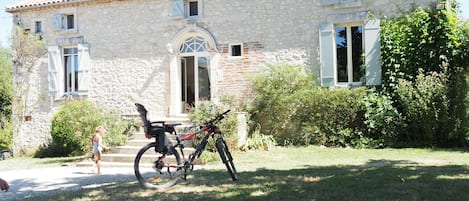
x=186 y=9
x=193 y=8
x=64 y=22
x=37 y=27
x=69 y=22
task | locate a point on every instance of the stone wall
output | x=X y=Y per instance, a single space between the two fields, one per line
x=129 y=54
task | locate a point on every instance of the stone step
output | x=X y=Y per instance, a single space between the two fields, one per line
x=125 y=155
x=129 y=158
x=126 y=149
x=128 y=153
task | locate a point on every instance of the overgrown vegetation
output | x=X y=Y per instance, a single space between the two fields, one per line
x=425 y=58
x=423 y=100
x=294 y=112
x=6 y=94
x=74 y=125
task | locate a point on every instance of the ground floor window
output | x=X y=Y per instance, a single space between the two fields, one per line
x=70 y=56
x=350 y=68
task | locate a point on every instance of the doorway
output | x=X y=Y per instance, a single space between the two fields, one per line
x=195 y=81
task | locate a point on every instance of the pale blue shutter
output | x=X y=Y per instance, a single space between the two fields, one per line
x=326 y=54
x=58 y=21
x=53 y=68
x=372 y=52
x=83 y=68
x=329 y=2
x=177 y=10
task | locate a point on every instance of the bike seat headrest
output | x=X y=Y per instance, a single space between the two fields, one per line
x=143 y=113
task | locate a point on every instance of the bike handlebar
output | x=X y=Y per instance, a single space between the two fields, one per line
x=217 y=118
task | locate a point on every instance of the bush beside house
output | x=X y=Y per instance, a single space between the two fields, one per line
x=423 y=101
x=74 y=125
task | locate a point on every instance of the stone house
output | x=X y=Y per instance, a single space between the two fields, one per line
x=171 y=54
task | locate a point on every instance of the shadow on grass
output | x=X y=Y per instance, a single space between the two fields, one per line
x=376 y=180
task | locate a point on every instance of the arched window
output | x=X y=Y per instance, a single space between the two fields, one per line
x=194 y=44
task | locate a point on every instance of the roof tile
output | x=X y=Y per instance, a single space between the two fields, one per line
x=35 y=3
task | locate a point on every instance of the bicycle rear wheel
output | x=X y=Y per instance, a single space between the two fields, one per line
x=226 y=157
x=156 y=170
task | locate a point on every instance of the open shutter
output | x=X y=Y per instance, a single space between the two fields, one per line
x=58 y=21
x=177 y=10
x=83 y=67
x=329 y=2
x=372 y=52
x=53 y=67
x=326 y=54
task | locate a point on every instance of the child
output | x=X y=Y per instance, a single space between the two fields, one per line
x=97 y=146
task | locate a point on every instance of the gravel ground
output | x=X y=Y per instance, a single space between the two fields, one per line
x=33 y=182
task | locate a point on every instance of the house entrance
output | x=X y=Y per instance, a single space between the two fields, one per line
x=195 y=81
x=193 y=70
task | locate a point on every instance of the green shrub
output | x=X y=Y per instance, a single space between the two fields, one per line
x=331 y=117
x=75 y=122
x=277 y=89
x=425 y=108
x=6 y=135
x=205 y=111
x=382 y=120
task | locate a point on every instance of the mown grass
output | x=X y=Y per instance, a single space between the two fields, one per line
x=312 y=173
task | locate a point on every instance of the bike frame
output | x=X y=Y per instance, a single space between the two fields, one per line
x=209 y=131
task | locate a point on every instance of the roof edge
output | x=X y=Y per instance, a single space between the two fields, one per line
x=32 y=5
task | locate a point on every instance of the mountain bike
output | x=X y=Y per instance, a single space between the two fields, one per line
x=160 y=164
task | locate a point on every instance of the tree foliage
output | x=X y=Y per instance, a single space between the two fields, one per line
x=425 y=58
x=6 y=93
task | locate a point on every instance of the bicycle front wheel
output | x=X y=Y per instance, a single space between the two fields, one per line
x=227 y=159
x=156 y=170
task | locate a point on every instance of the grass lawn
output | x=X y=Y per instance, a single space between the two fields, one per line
x=312 y=173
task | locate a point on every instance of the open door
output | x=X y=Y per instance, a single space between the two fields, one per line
x=195 y=81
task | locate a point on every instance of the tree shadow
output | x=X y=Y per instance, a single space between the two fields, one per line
x=375 y=180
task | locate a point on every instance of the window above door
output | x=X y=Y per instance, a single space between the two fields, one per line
x=190 y=9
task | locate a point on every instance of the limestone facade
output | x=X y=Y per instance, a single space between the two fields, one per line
x=134 y=49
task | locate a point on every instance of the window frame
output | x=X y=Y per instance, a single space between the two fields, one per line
x=57 y=71
x=73 y=88
x=60 y=21
x=41 y=27
x=66 y=22
x=187 y=9
x=350 y=69
x=230 y=50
